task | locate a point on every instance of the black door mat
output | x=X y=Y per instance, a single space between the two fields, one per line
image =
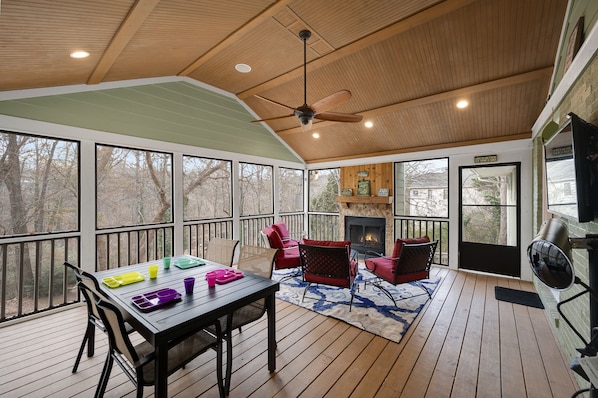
x=529 y=299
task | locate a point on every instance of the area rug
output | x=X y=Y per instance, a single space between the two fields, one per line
x=529 y=299
x=372 y=310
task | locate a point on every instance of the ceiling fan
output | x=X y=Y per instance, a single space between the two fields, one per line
x=319 y=109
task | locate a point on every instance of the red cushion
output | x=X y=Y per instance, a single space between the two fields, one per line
x=381 y=266
x=274 y=238
x=282 y=230
x=396 y=251
x=384 y=268
x=287 y=258
x=332 y=243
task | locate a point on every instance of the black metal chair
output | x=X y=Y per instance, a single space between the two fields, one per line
x=93 y=317
x=138 y=362
x=328 y=265
x=412 y=264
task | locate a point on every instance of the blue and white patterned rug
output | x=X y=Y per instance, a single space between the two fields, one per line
x=372 y=310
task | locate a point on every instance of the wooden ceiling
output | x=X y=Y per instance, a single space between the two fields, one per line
x=406 y=62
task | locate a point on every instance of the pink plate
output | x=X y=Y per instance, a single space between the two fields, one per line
x=225 y=275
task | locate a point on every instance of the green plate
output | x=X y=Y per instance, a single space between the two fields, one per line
x=184 y=263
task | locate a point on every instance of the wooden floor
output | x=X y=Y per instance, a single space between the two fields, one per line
x=464 y=343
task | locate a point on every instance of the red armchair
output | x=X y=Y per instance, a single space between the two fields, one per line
x=287 y=257
x=410 y=262
x=329 y=265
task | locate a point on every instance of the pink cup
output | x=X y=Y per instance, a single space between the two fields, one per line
x=211 y=280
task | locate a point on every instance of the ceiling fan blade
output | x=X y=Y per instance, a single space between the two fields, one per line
x=339 y=117
x=332 y=101
x=272 y=118
x=274 y=102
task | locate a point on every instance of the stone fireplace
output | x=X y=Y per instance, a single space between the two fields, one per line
x=369 y=213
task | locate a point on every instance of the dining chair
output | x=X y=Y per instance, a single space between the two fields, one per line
x=138 y=361
x=410 y=262
x=221 y=251
x=93 y=317
x=259 y=261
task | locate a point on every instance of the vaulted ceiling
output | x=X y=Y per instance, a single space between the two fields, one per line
x=405 y=62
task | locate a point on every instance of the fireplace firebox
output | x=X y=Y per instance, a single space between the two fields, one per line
x=366 y=233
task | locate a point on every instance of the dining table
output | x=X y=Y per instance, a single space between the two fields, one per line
x=165 y=322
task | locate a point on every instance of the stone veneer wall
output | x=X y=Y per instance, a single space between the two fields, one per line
x=582 y=100
x=369 y=210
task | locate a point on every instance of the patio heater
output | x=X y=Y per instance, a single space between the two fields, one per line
x=550 y=260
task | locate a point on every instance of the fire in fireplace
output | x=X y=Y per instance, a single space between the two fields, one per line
x=366 y=233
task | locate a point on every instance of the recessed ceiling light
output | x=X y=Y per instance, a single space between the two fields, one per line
x=79 y=54
x=368 y=124
x=462 y=104
x=243 y=68
x=316 y=135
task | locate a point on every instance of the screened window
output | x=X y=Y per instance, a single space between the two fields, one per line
x=134 y=187
x=256 y=189
x=291 y=190
x=39 y=185
x=323 y=190
x=421 y=188
x=207 y=188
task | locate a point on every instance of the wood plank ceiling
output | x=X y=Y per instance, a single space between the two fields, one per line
x=406 y=62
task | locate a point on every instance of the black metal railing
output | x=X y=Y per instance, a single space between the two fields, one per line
x=323 y=226
x=119 y=248
x=33 y=277
x=295 y=224
x=436 y=229
x=250 y=228
x=197 y=235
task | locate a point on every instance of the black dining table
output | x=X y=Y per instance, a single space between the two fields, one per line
x=193 y=312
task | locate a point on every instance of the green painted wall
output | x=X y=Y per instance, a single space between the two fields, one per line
x=178 y=112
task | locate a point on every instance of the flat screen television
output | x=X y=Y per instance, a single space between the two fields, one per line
x=571 y=160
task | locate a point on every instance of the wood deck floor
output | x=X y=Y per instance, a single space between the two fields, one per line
x=464 y=343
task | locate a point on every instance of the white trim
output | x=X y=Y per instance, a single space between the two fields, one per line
x=88 y=206
x=81 y=88
x=178 y=202
x=585 y=54
x=564 y=26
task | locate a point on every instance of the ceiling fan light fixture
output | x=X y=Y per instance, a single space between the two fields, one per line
x=369 y=124
x=243 y=68
x=316 y=135
x=305 y=114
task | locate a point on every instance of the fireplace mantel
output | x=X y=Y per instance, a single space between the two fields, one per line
x=381 y=201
